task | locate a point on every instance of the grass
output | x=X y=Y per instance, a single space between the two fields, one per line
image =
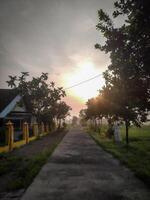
x=28 y=169
x=22 y=170
x=136 y=156
x=6 y=163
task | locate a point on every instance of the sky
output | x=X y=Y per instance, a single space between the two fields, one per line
x=54 y=36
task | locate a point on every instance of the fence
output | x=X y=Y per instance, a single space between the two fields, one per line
x=37 y=131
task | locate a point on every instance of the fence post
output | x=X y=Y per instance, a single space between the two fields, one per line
x=35 y=129
x=26 y=132
x=10 y=134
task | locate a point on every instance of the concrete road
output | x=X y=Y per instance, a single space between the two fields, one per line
x=81 y=170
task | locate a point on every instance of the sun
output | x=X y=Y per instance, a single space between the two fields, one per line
x=84 y=71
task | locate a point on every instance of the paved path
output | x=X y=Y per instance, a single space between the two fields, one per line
x=81 y=170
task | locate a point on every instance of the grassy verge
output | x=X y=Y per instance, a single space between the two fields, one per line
x=22 y=170
x=136 y=156
x=27 y=169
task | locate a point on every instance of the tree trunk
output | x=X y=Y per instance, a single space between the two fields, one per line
x=95 y=124
x=38 y=122
x=100 y=125
x=127 y=132
x=59 y=123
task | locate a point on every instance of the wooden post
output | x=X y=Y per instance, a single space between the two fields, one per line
x=35 y=129
x=26 y=132
x=10 y=134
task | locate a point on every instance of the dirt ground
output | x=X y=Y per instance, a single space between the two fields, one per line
x=27 y=151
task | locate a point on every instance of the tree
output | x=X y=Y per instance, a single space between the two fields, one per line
x=128 y=76
x=41 y=96
x=82 y=116
x=62 y=111
x=74 y=121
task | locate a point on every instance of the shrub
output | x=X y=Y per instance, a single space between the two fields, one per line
x=2 y=136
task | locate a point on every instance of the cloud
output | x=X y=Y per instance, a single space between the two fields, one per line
x=49 y=36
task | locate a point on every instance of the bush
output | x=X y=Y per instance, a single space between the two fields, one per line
x=2 y=136
x=64 y=125
x=110 y=132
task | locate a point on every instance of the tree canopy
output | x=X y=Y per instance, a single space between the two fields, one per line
x=126 y=94
x=44 y=98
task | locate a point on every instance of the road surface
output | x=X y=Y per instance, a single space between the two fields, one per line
x=80 y=170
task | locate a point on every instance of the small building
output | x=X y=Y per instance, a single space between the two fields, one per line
x=14 y=107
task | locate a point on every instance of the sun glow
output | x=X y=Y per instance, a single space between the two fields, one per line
x=89 y=89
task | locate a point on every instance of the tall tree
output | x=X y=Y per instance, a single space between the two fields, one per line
x=62 y=111
x=128 y=75
x=74 y=120
x=82 y=117
x=43 y=97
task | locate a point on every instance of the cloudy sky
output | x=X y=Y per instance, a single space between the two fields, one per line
x=54 y=36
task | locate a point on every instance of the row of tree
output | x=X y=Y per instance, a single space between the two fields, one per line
x=43 y=98
x=126 y=94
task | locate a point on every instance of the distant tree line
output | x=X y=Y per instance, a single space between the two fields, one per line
x=126 y=93
x=43 y=98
